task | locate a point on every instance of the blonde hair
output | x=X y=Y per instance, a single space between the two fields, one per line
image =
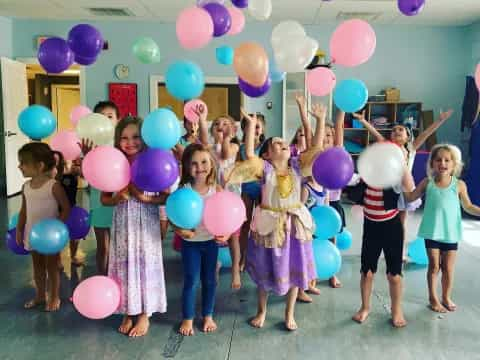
x=455 y=153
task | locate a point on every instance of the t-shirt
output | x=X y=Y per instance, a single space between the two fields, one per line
x=374 y=207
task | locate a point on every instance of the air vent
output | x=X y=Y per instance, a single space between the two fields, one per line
x=118 y=12
x=367 y=16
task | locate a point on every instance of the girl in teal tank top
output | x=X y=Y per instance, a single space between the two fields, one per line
x=441 y=225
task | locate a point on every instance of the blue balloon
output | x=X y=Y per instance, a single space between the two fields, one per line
x=327 y=221
x=161 y=129
x=276 y=75
x=224 y=55
x=37 y=122
x=224 y=257
x=49 y=236
x=328 y=260
x=185 y=208
x=417 y=252
x=12 y=224
x=344 y=240
x=350 y=95
x=184 y=80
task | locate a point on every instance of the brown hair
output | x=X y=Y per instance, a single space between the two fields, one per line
x=102 y=105
x=187 y=156
x=123 y=124
x=260 y=117
x=36 y=153
x=60 y=165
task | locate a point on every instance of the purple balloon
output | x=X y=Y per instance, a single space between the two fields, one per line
x=254 y=91
x=55 y=55
x=78 y=223
x=154 y=170
x=222 y=21
x=84 y=60
x=204 y=2
x=240 y=3
x=11 y=241
x=85 y=40
x=411 y=7
x=333 y=168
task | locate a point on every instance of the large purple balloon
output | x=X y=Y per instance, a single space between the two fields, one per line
x=78 y=223
x=240 y=3
x=154 y=170
x=333 y=168
x=222 y=21
x=11 y=241
x=85 y=41
x=411 y=7
x=84 y=60
x=254 y=91
x=55 y=55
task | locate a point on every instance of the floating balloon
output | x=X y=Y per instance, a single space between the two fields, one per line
x=12 y=223
x=224 y=213
x=146 y=50
x=240 y=3
x=251 y=63
x=284 y=30
x=66 y=141
x=327 y=221
x=82 y=60
x=97 y=297
x=49 y=236
x=78 y=223
x=54 y=55
x=350 y=95
x=97 y=128
x=417 y=252
x=185 y=208
x=204 y=2
x=85 y=40
x=477 y=76
x=224 y=54
x=357 y=212
x=78 y=112
x=297 y=55
x=333 y=168
x=410 y=7
x=184 y=80
x=161 y=129
x=328 y=260
x=224 y=257
x=220 y=17
x=254 y=91
x=154 y=170
x=194 y=28
x=344 y=240
x=11 y=242
x=276 y=75
x=190 y=107
x=260 y=9
x=37 y=122
x=238 y=21
x=321 y=81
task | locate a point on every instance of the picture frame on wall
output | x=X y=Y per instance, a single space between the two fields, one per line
x=124 y=95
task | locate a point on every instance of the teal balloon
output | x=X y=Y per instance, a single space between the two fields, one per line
x=49 y=236
x=327 y=221
x=344 y=240
x=161 y=129
x=276 y=74
x=224 y=55
x=37 y=122
x=224 y=257
x=185 y=208
x=12 y=223
x=184 y=80
x=417 y=252
x=328 y=260
x=146 y=50
x=350 y=95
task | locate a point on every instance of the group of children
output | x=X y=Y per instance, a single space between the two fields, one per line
x=274 y=245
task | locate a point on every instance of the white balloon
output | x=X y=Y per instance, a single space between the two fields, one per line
x=285 y=29
x=297 y=55
x=260 y=9
x=382 y=165
x=97 y=128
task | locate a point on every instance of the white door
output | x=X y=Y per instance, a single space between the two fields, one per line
x=14 y=100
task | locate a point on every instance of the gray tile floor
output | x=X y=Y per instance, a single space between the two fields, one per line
x=326 y=331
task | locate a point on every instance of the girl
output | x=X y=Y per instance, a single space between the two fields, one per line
x=42 y=197
x=199 y=248
x=135 y=258
x=441 y=225
x=190 y=137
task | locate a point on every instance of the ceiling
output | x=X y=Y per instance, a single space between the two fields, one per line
x=436 y=12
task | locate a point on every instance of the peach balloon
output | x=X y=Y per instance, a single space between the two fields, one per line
x=223 y=213
x=67 y=143
x=78 y=112
x=251 y=63
x=194 y=28
x=238 y=20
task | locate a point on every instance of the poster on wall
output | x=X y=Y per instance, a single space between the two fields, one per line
x=125 y=97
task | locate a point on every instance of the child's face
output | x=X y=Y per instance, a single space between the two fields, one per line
x=220 y=126
x=443 y=163
x=300 y=137
x=201 y=166
x=130 y=141
x=191 y=127
x=278 y=150
x=28 y=168
x=399 y=135
x=110 y=113
x=328 y=139
x=258 y=130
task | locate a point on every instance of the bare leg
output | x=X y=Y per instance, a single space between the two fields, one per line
x=103 y=242
x=245 y=230
x=40 y=278
x=76 y=260
x=448 y=269
x=290 y=323
x=333 y=281
x=163 y=228
x=141 y=326
x=312 y=287
x=304 y=297
x=432 y=275
x=395 y=284
x=366 y=286
x=234 y=244
x=259 y=319
x=53 y=283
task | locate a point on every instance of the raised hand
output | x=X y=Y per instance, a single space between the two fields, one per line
x=318 y=111
x=251 y=119
x=445 y=114
x=86 y=145
x=201 y=112
x=359 y=116
x=299 y=98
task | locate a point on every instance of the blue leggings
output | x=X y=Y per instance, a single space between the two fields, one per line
x=199 y=262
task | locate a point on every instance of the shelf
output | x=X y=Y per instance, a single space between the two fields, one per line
x=392 y=102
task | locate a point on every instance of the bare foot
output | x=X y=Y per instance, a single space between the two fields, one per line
x=236 y=279
x=186 y=328
x=53 y=304
x=30 y=304
x=361 y=315
x=334 y=282
x=141 y=327
x=303 y=297
x=290 y=323
x=258 y=320
x=437 y=307
x=126 y=325
x=209 y=325
x=313 y=290
x=449 y=304
x=398 y=320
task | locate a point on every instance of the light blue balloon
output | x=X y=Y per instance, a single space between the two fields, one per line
x=49 y=236
x=350 y=95
x=13 y=221
x=224 y=55
x=184 y=80
x=161 y=129
x=37 y=122
x=328 y=260
x=276 y=74
x=417 y=252
x=224 y=257
x=327 y=221
x=344 y=240
x=185 y=208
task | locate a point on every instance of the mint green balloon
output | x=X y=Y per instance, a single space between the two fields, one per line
x=146 y=50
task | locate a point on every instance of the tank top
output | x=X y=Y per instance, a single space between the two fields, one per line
x=315 y=197
x=201 y=233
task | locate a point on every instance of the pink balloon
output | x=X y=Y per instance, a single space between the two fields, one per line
x=188 y=108
x=321 y=81
x=238 y=20
x=477 y=76
x=78 y=112
x=357 y=212
x=352 y=43
x=223 y=213
x=67 y=143
x=97 y=297
x=194 y=28
x=106 y=169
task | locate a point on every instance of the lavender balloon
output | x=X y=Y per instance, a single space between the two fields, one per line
x=55 y=55
x=333 y=168
x=411 y=7
x=254 y=91
x=11 y=241
x=222 y=21
x=154 y=170
x=81 y=60
x=85 y=41
x=240 y=3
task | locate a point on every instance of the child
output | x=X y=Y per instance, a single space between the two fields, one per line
x=42 y=198
x=135 y=254
x=441 y=225
x=190 y=137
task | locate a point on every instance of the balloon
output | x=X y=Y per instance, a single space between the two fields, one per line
x=344 y=240
x=477 y=76
x=224 y=257
x=189 y=107
x=37 y=122
x=240 y=3
x=184 y=80
x=411 y=7
x=204 y=2
x=185 y=208
x=78 y=112
x=283 y=31
x=352 y=43
x=224 y=55
x=382 y=165
x=254 y=91
x=417 y=252
x=106 y=169
x=49 y=236
x=78 y=223
x=327 y=221
x=220 y=17
x=260 y=9
x=251 y=63
x=194 y=28
x=12 y=223
x=97 y=297
x=350 y=95
x=297 y=55
x=82 y=60
x=85 y=40
x=224 y=213
x=333 y=168
x=238 y=21
x=154 y=170
x=275 y=74
x=11 y=242
x=357 y=212
x=54 y=55
x=161 y=129
x=328 y=260
x=97 y=128
x=66 y=142
x=146 y=50
x=320 y=81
